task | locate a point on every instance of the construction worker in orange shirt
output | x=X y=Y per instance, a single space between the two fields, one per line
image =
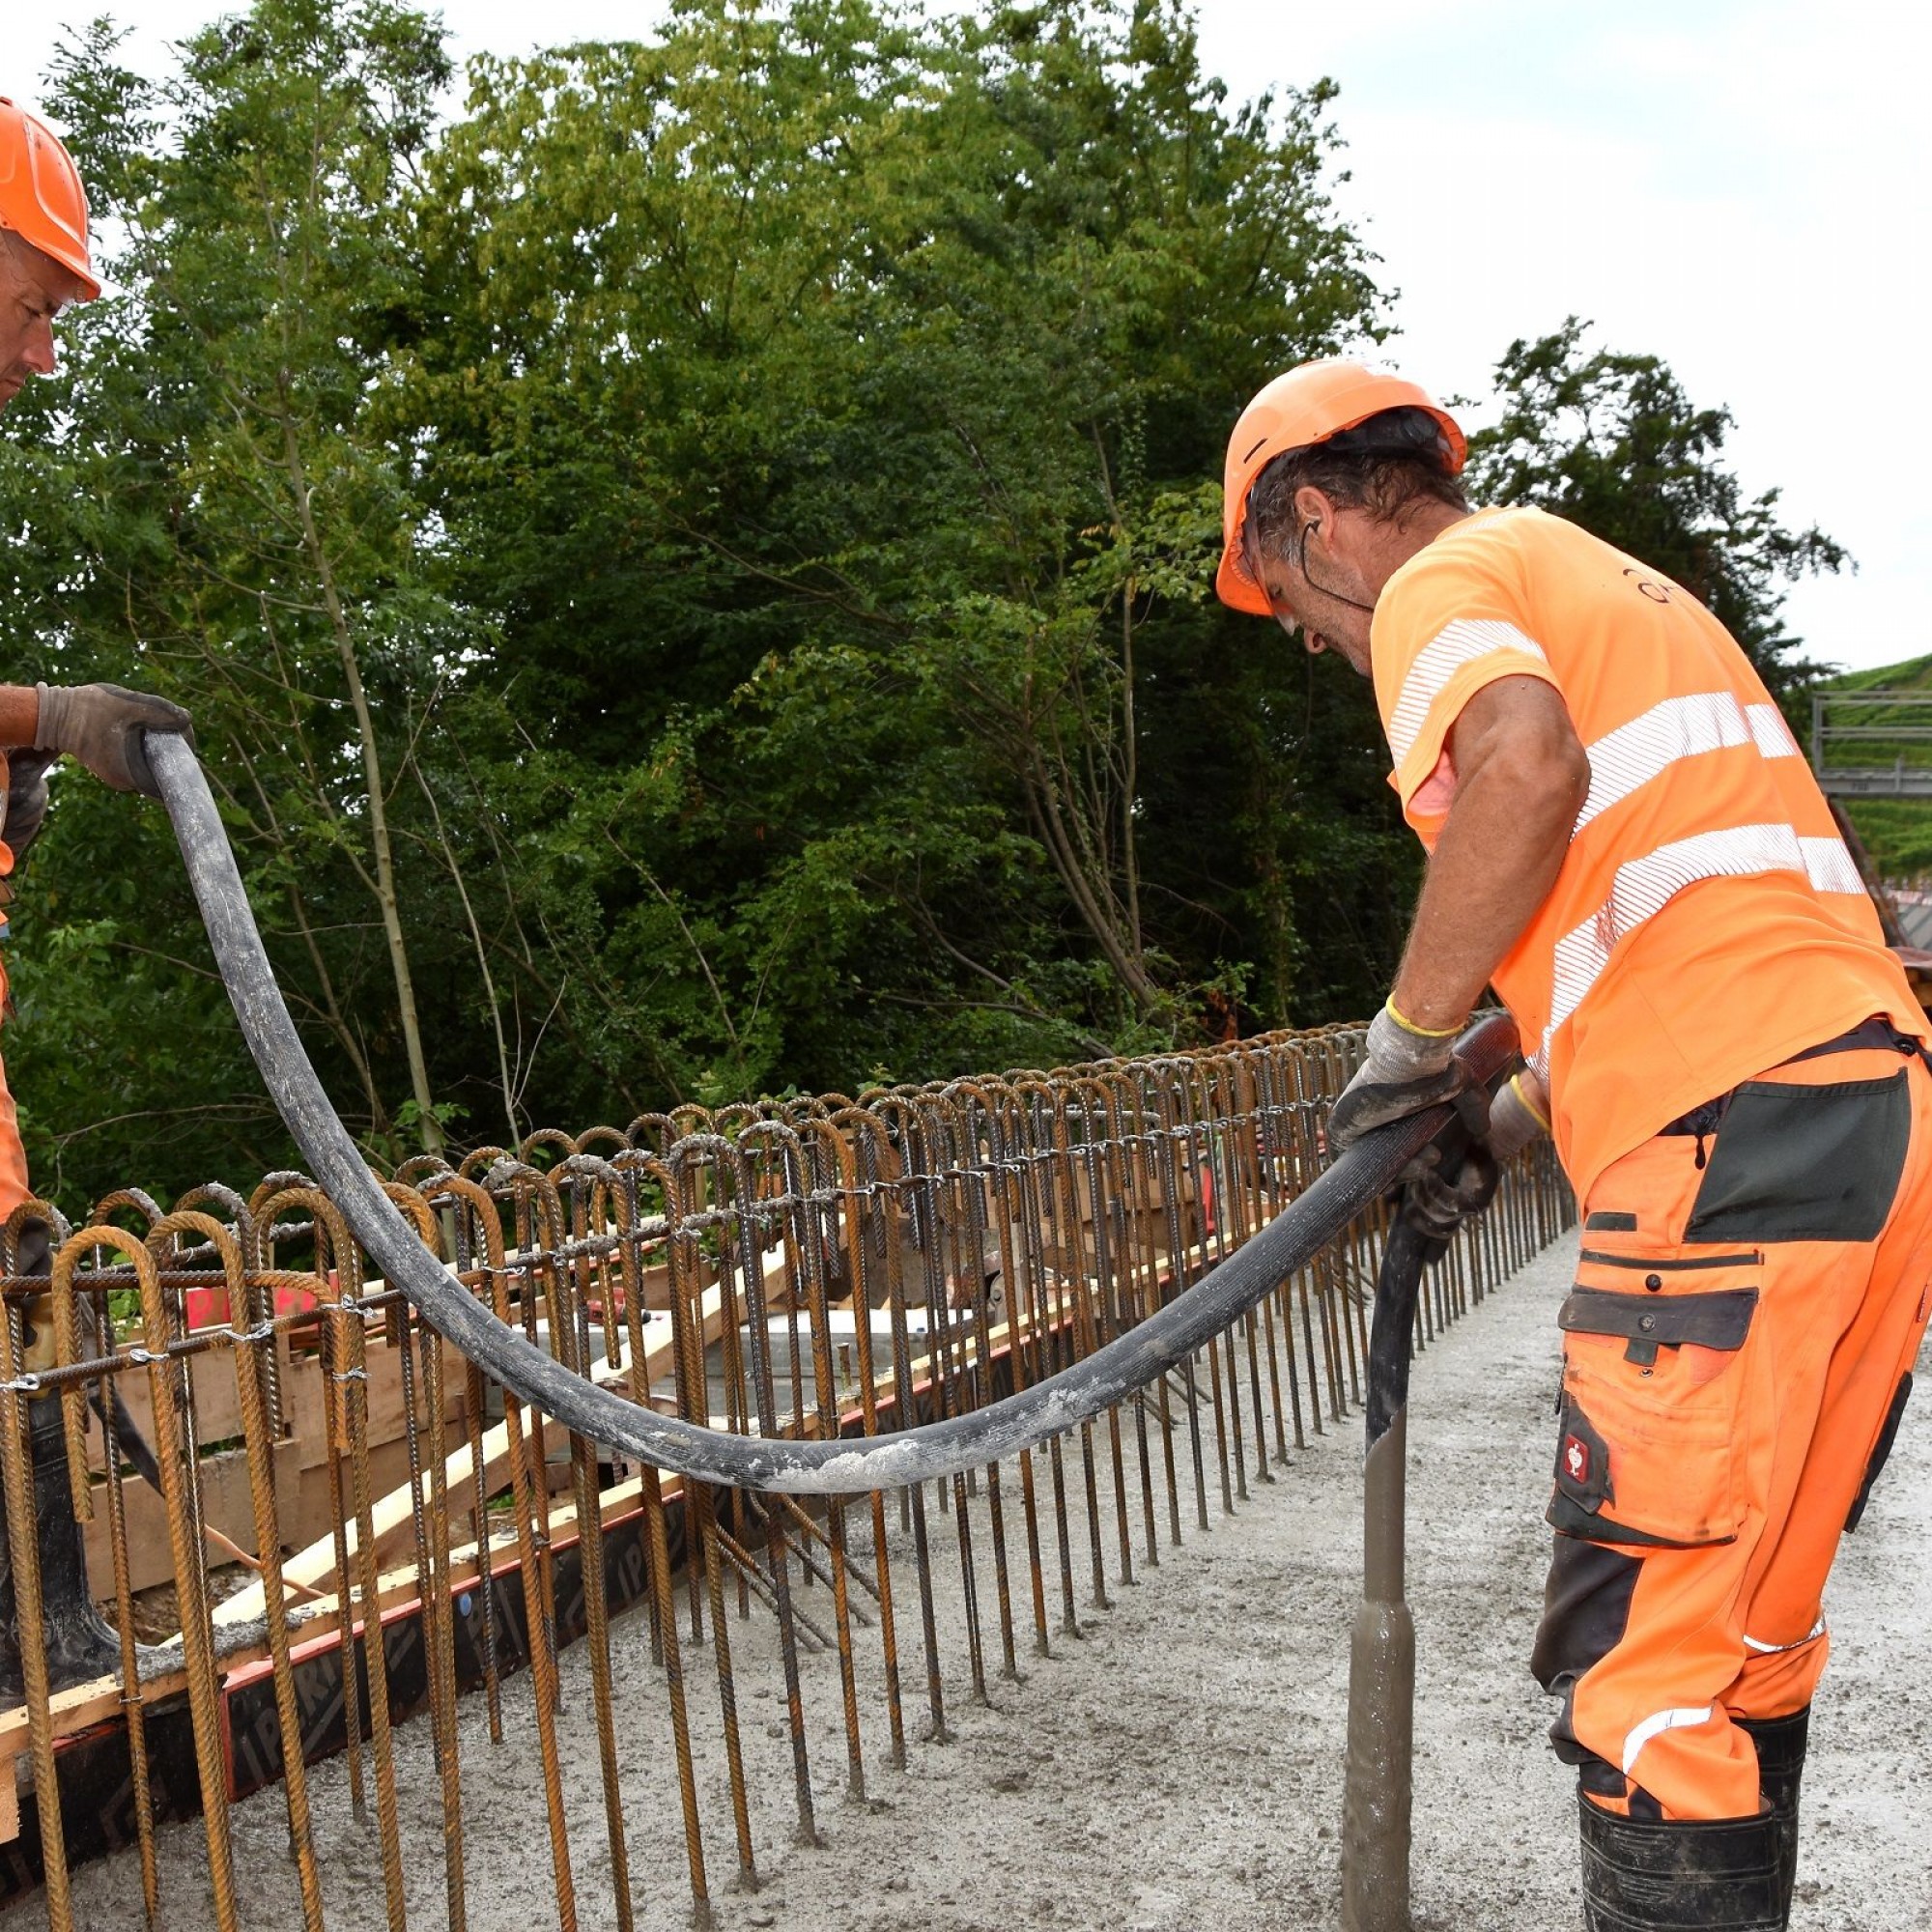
x=1626 y=843
x=44 y=265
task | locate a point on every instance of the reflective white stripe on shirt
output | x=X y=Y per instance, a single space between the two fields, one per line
x=1623 y=760
x=1817 y=1631
x=1830 y=867
x=1645 y=886
x=1653 y=1727
x=1628 y=758
x=1770 y=733
x=1452 y=647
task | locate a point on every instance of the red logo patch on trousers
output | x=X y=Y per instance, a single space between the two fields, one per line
x=1576 y=1459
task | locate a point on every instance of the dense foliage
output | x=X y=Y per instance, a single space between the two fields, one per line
x=693 y=574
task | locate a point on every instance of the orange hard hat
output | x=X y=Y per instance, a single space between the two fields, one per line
x=40 y=197
x=1307 y=405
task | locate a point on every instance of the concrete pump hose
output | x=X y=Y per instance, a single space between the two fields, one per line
x=936 y=1449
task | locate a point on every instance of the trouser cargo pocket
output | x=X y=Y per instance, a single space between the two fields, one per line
x=1798 y=1163
x=1654 y=1371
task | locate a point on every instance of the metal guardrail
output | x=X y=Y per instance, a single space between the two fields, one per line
x=919 y=1254
x=1898 y=721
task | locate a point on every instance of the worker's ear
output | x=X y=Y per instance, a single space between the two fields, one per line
x=1315 y=514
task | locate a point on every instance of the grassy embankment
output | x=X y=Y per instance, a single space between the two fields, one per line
x=1897 y=832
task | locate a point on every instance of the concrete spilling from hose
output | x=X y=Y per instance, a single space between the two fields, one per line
x=769 y=1462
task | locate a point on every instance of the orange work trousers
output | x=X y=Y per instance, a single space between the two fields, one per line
x=13 y=1184
x=14 y=1187
x=1749 y=1301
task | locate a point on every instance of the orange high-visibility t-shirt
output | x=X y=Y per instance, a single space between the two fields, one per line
x=15 y=1186
x=1708 y=922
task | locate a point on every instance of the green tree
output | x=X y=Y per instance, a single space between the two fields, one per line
x=1613 y=442
x=216 y=517
x=693 y=578
x=904 y=509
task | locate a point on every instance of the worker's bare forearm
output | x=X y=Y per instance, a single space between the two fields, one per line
x=1522 y=778
x=20 y=714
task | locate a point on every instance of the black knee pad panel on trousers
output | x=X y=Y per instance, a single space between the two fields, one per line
x=1880 y=1451
x=1586 y=1607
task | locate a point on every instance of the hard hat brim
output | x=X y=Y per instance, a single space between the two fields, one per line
x=1236 y=589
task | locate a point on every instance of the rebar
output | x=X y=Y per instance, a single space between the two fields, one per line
x=820 y=1270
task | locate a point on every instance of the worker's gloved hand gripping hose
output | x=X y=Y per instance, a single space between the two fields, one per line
x=762 y=1463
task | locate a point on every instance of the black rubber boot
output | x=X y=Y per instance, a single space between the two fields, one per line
x=1678 y=1874
x=80 y=1644
x=1780 y=1763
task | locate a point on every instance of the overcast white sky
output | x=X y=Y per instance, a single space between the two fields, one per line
x=1741 y=186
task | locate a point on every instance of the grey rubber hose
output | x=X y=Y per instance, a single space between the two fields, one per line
x=745 y=1461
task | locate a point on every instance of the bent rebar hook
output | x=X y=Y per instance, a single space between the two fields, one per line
x=843 y=1468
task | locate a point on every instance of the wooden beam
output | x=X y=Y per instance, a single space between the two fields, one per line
x=392 y=1517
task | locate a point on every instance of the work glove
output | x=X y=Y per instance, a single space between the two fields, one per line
x=1402 y=1072
x=26 y=798
x=101 y=725
x=1514 y=1120
x=1438 y=1193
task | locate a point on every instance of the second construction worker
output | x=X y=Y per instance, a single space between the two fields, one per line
x=44 y=265
x=1626 y=843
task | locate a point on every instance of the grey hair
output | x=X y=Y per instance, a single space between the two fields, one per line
x=1388 y=466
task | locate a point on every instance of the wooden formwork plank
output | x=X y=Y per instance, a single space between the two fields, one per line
x=217 y=1408
x=82 y=1706
x=217 y=1404
x=305 y=1395
x=393 y=1515
x=227 y=1506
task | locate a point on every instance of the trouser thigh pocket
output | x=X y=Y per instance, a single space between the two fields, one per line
x=1798 y=1163
x=1650 y=1441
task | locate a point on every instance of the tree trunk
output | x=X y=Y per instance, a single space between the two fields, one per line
x=428 y=1125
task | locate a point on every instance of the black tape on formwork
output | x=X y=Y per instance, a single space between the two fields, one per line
x=844 y=1467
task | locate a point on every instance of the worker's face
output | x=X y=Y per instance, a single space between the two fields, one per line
x=1317 y=590
x=34 y=289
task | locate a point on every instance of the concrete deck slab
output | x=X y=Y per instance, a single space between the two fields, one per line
x=1178 y=1765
